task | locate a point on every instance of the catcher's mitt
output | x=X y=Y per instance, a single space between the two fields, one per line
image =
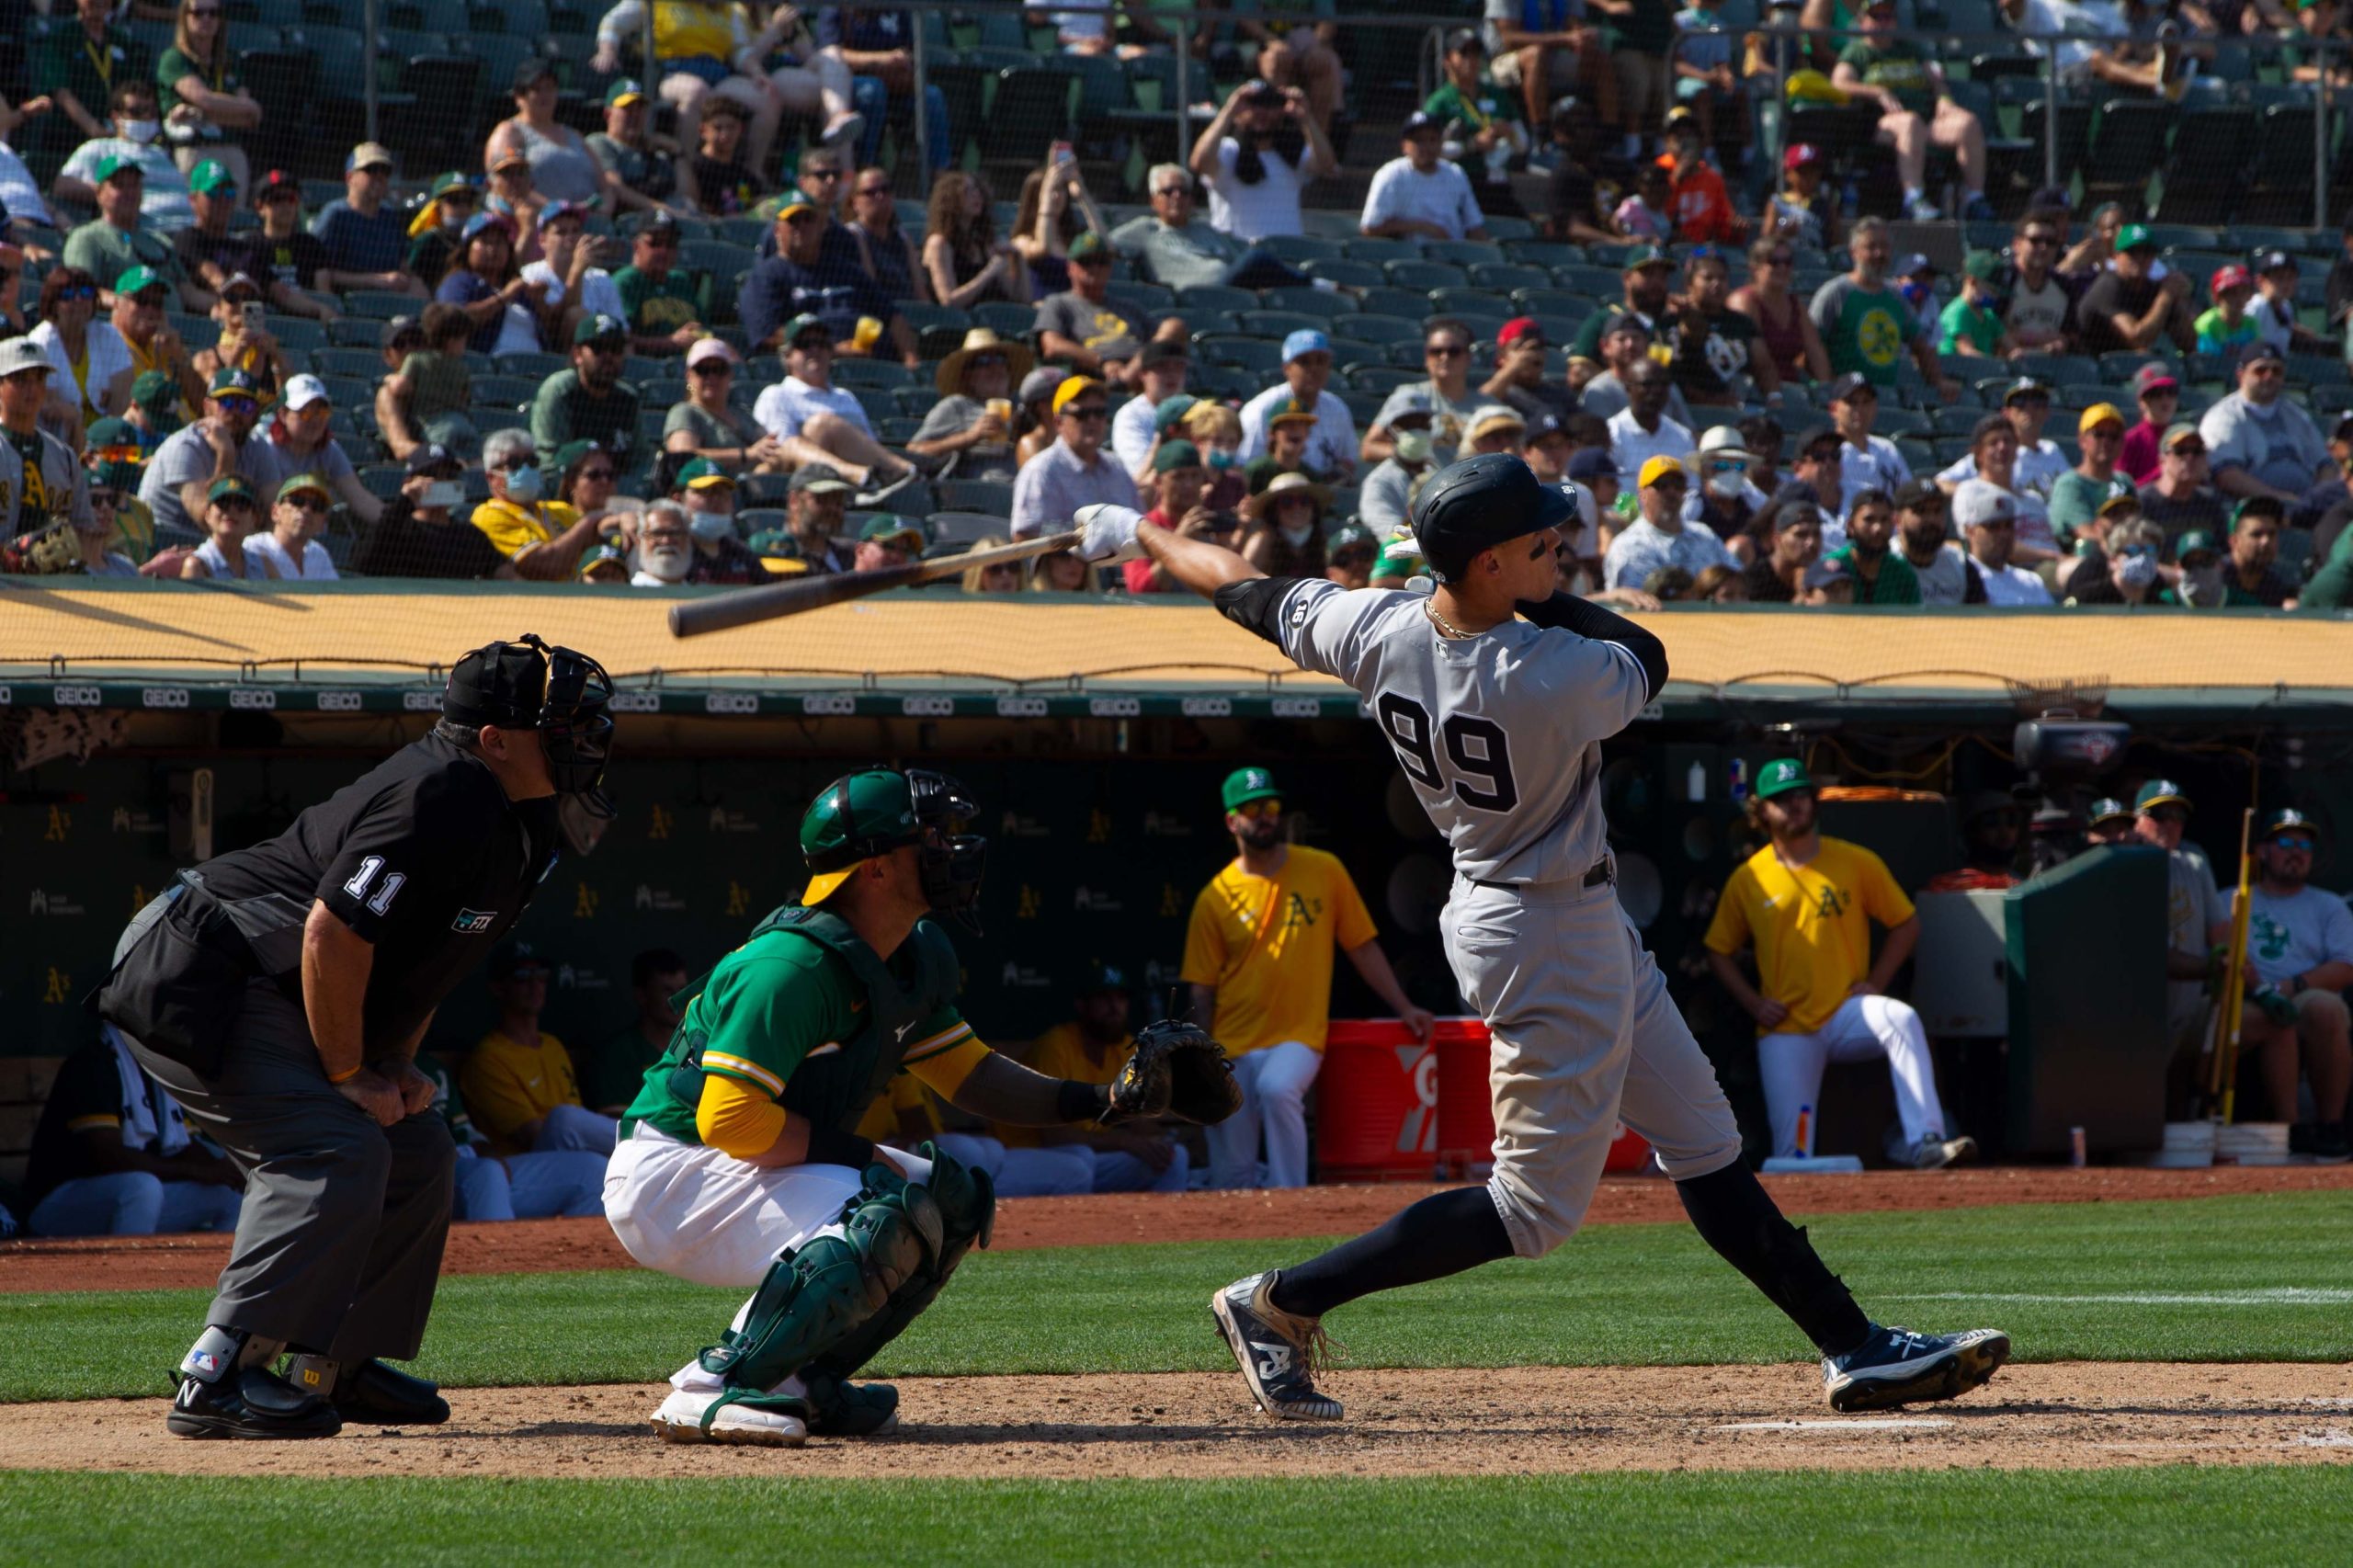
x=1178 y=1071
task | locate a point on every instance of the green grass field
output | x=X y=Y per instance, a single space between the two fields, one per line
x=2236 y=1278
x=2263 y=1278
x=1974 y=1518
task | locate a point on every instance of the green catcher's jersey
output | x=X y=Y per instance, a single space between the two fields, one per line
x=805 y=1012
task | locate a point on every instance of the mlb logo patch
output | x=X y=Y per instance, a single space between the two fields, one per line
x=474 y=920
x=203 y=1361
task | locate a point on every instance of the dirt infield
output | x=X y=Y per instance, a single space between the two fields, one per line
x=538 y=1246
x=1525 y=1420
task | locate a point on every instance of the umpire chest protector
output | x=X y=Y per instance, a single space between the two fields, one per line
x=833 y=1087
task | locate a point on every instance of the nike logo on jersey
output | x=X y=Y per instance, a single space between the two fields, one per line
x=902 y=1032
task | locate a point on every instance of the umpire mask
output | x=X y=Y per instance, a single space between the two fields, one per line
x=565 y=696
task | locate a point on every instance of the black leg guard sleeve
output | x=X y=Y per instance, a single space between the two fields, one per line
x=1730 y=1211
x=1440 y=1235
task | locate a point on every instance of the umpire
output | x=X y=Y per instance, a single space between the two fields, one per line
x=279 y=993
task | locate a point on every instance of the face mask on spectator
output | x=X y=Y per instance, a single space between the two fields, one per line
x=1221 y=458
x=1297 y=537
x=1412 y=448
x=141 y=130
x=1725 y=483
x=666 y=560
x=711 y=525
x=523 y=485
x=444 y=494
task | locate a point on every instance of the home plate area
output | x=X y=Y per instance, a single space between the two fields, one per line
x=1517 y=1420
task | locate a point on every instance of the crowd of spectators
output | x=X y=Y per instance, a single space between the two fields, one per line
x=1730 y=359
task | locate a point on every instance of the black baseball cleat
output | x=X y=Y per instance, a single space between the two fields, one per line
x=372 y=1394
x=1278 y=1350
x=249 y=1401
x=1896 y=1367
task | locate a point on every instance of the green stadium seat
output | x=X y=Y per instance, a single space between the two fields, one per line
x=1322 y=303
x=1345 y=273
x=1214 y=297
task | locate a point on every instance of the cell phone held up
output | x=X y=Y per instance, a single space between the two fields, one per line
x=254 y=310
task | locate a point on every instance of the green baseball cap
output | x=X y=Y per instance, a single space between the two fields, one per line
x=2193 y=542
x=116 y=455
x=210 y=177
x=852 y=820
x=1982 y=265
x=1089 y=246
x=233 y=381
x=703 y=474
x=884 y=527
x=1170 y=411
x=301 y=482
x=1245 y=785
x=2287 y=820
x=445 y=183
x=137 y=278
x=1176 y=455
x=1646 y=255
x=2108 y=809
x=2133 y=236
x=2160 y=792
x=153 y=390
x=625 y=91
x=598 y=328
x=1780 y=777
x=1346 y=534
x=228 y=486
x=115 y=163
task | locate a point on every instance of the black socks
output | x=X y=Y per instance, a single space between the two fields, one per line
x=1732 y=1214
x=1442 y=1234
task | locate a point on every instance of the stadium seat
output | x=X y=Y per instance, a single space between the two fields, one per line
x=965 y=528
x=990 y=497
x=1280 y=323
x=1324 y=304
x=1214 y=297
x=1344 y=272
x=1424 y=275
x=1253 y=354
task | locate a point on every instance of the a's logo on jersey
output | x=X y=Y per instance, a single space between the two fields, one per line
x=1831 y=904
x=474 y=920
x=1301 y=915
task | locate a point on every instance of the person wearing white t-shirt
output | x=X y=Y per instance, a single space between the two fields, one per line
x=816 y=421
x=2299 y=943
x=561 y=261
x=1261 y=148
x=2039 y=462
x=1332 y=446
x=1421 y=193
x=1640 y=430
x=290 y=547
x=1988 y=515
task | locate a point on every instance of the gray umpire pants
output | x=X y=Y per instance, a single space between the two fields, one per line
x=338 y=1245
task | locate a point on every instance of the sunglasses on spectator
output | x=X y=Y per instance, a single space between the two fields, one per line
x=107 y=498
x=78 y=291
x=2038 y=237
x=2268 y=367
x=1781 y=259
x=2292 y=841
x=515 y=461
x=306 y=501
x=602 y=346
x=1089 y=411
x=235 y=503
x=660 y=241
x=713 y=367
x=598 y=476
x=1259 y=809
x=980 y=361
x=150 y=299
x=237 y=404
x=1445 y=350
x=871 y=190
x=820 y=174
x=2187 y=450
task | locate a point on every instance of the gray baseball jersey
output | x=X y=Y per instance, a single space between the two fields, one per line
x=1498 y=734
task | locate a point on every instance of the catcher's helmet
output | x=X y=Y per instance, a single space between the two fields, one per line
x=1480 y=502
x=873 y=811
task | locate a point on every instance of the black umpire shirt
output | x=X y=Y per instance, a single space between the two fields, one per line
x=423 y=856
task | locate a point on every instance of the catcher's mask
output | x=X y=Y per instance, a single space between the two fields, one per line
x=861 y=815
x=565 y=696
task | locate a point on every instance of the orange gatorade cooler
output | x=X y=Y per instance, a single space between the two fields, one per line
x=1376 y=1104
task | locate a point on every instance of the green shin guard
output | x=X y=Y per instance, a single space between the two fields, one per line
x=967 y=1205
x=820 y=1296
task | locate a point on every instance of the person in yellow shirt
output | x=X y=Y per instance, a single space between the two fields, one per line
x=1258 y=957
x=1091 y=1047
x=518 y=1084
x=1807 y=903
x=544 y=539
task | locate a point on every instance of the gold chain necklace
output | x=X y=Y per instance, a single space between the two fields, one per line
x=1445 y=626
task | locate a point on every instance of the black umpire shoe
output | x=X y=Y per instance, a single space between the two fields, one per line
x=372 y=1394
x=249 y=1401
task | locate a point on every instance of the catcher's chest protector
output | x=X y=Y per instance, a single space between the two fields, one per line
x=834 y=1089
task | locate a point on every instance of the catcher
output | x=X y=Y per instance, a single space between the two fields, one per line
x=737 y=1163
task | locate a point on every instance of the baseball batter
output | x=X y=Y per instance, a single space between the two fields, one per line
x=738 y=1164
x=1495 y=692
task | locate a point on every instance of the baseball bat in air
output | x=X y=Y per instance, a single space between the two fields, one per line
x=774 y=601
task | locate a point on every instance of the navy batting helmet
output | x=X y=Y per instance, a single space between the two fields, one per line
x=1479 y=502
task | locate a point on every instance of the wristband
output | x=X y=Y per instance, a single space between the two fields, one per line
x=832 y=1146
x=345 y=1077
x=1074 y=1101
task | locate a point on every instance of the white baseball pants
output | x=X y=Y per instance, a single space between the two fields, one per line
x=1863 y=1027
x=1275 y=1081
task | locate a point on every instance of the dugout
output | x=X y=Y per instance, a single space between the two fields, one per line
x=1093 y=731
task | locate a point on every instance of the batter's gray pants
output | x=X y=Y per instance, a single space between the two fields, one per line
x=1582 y=1036
x=339 y=1243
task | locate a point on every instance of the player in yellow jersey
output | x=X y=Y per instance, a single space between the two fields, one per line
x=1807 y=902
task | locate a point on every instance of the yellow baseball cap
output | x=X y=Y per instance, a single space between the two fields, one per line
x=2098 y=415
x=1072 y=387
x=1658 y=468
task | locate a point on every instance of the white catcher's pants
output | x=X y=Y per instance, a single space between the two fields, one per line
x=1863 y=1027
x=1274 y=1081
x=690 y=1210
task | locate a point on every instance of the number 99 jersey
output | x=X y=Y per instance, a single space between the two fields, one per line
x=1499 y=734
